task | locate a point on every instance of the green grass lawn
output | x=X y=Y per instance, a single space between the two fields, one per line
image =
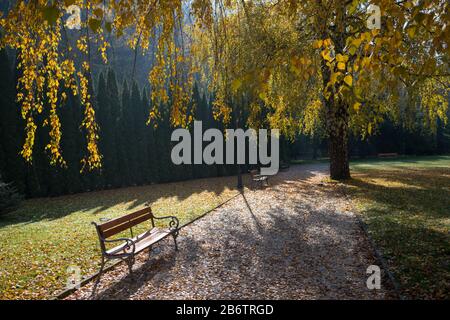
x=44 y=237
x=406 y=205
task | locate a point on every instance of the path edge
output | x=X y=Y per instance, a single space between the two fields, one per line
x=379 y=256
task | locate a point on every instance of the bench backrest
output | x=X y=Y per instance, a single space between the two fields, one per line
x=254 y=172
x=115 y=226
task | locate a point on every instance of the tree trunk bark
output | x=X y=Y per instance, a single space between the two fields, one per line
x=337 y=129
x=337 y=109
x=339 y=163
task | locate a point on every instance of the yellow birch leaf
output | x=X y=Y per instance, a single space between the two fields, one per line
x=352 y=50
x=341 y=58
x=357 y=106
x=412 y=32
x=326 y=55
x=236 y=84
x=318 y=44
x=348 y=80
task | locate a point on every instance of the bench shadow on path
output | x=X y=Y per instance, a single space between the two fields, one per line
x=155 y=269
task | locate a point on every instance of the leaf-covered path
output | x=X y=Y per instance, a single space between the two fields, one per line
x=293 y=240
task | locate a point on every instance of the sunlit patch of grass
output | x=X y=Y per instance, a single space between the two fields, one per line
x=402 y=162
x=389 y=183
x=406 y=205
x=39 y=241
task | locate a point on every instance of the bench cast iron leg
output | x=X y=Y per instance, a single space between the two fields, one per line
x=150 y=252
x=98 y=277
x=130 y=262
x=101 y=269
x=175 y=241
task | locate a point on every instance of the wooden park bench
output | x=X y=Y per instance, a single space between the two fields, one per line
x=388 y=155
x=127 y=248
x=258 y=180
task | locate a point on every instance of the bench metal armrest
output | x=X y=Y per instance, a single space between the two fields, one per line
x=173 y=224
x=130 y=244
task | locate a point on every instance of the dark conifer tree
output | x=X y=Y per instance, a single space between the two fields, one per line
x=11 y=127
x=199 y=115
x=152 y=151
x=163 y=145
x=135 y=135
x=124 y=156
x=71 y=144
x=112 y=92
x=145 y=133
x=103 y=120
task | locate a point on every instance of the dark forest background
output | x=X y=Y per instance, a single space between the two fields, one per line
x=137 y=154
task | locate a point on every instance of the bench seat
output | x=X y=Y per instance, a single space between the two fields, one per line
x=142 y=241
x=258 y=179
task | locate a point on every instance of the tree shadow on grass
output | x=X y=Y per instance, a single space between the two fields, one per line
x=415 y=191
x=418 y=256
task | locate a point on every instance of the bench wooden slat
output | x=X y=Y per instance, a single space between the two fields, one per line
x=122 y=219
x=128 y=223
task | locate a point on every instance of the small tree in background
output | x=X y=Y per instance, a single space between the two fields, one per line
x=9 y=197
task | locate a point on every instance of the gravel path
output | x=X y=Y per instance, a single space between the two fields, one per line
x=293 y=240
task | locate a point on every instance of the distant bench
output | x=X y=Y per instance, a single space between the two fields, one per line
x=258 y=180
x=387 y=155
x=129 y=247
